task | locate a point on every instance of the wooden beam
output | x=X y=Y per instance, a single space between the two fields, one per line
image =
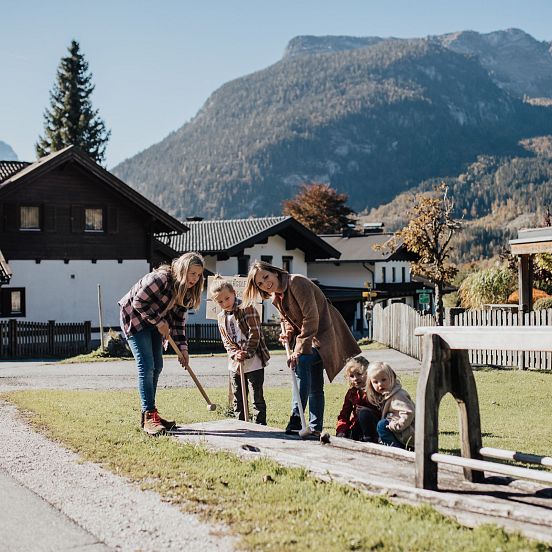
x=531 y=248
x=511 y=338
x=492 y=467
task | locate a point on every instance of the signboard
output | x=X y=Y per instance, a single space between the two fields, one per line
x=238 y=282
x=424 y=299
x=424 y=291
x=369 y=294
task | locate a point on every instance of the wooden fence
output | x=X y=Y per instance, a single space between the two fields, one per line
x=21 y=339
x=532 y=360
x=394 y=326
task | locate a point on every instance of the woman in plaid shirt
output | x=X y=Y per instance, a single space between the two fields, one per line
x=153 y=309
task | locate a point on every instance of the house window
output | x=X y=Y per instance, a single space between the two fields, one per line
x=13 y=302
x=287 y=264
x=403 y=269
x=383 y=274
x=243 y=265
x=393 y=274
x=93 y=220
x=29 y=217
x=266 y=259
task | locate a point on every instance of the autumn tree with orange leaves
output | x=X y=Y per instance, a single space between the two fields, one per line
x=428 y=235
x=320 y=208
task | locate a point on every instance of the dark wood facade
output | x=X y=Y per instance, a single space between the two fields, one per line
x=62 y=192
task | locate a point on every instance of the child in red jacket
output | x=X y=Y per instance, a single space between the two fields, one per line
x=358 y=417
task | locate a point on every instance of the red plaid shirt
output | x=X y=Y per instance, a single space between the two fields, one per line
x=148 y=302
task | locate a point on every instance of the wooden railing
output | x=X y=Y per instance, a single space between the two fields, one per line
x=22 y=339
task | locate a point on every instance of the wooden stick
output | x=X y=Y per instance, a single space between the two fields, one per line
x=305 y=429
x=210 y=406
x=245 y=402
x=493 y=467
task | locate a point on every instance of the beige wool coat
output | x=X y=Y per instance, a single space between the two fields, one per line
x=399 y=409
x=315 y=323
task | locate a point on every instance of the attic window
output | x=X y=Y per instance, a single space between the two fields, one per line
x=93 y=220
x=29 y=217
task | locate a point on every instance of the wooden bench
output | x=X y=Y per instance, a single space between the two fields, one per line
x=446 y=369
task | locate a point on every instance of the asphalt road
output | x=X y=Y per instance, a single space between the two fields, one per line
x=211 y=371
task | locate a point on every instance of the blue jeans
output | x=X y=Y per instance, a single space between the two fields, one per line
x=147 y=348
x=310 y=377
x=387 y=436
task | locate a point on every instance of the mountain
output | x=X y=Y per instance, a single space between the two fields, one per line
x=514 y=59
x=6 y=152
x=372 y=117
x=495 y=197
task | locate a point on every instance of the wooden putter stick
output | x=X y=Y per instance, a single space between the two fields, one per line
x=210 y=406
x=245 y=403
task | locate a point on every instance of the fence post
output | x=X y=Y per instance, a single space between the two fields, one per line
x=51 y=337
x=12 y=337
x=87 y=335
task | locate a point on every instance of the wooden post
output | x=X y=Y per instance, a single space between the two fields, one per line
x=100 y=317
x=12 y=337
x=444 y=371
x=87 y=335
x=51 y=337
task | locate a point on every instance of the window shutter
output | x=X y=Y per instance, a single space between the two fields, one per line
x=112 y=220
x=49 y=218
x=77 y=218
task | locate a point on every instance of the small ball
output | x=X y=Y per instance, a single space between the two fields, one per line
x=325 y=438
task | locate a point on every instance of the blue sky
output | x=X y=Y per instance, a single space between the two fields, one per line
x=156 y=62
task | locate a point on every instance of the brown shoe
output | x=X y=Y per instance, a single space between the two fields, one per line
x=167 y=424
x=152 y=423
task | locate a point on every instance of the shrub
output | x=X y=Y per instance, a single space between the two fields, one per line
x=543 y=303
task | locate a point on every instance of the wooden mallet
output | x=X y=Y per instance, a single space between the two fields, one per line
x=210 y=406
x=245 y=402
x=305 y=429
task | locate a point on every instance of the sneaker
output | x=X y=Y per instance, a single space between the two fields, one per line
x=152 y=423
x=294 y=425
x=167 y=424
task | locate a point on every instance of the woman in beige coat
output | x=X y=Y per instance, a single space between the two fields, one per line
x=318 y=336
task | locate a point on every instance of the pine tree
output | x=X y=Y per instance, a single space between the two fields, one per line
x=319 y=208
x=71 y=120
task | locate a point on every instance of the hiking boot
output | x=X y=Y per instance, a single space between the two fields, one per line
x=167 y=424
x=152 y=423
x=294 y=425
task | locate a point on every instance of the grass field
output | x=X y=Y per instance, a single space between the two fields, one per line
x=277 y=508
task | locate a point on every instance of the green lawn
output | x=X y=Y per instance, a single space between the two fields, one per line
x=277 y=508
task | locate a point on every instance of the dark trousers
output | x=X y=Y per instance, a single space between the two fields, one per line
x=366 y=428
x=254 y=381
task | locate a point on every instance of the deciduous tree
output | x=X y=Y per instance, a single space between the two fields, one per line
x=71 y=119
x=320 y=208
x=428 y=235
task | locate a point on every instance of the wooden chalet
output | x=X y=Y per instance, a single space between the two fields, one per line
x=69 y=225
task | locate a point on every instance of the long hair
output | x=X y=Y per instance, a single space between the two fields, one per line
x=178 y=269
x=355 y=364
x=252 y=291
x=379 y=368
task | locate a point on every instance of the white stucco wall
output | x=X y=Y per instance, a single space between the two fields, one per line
x=343 y=275
x=389 y=270
x=69 y=292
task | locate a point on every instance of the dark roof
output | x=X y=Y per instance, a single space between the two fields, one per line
x=231 y=237
x=9 y=168
x=5 y=271
x=359 y=248
x=163 y=222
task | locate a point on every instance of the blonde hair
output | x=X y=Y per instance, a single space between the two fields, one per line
x=252 y=290
x=218 y=284
x=379 y=368
x=355 y=364
x=178 y=269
